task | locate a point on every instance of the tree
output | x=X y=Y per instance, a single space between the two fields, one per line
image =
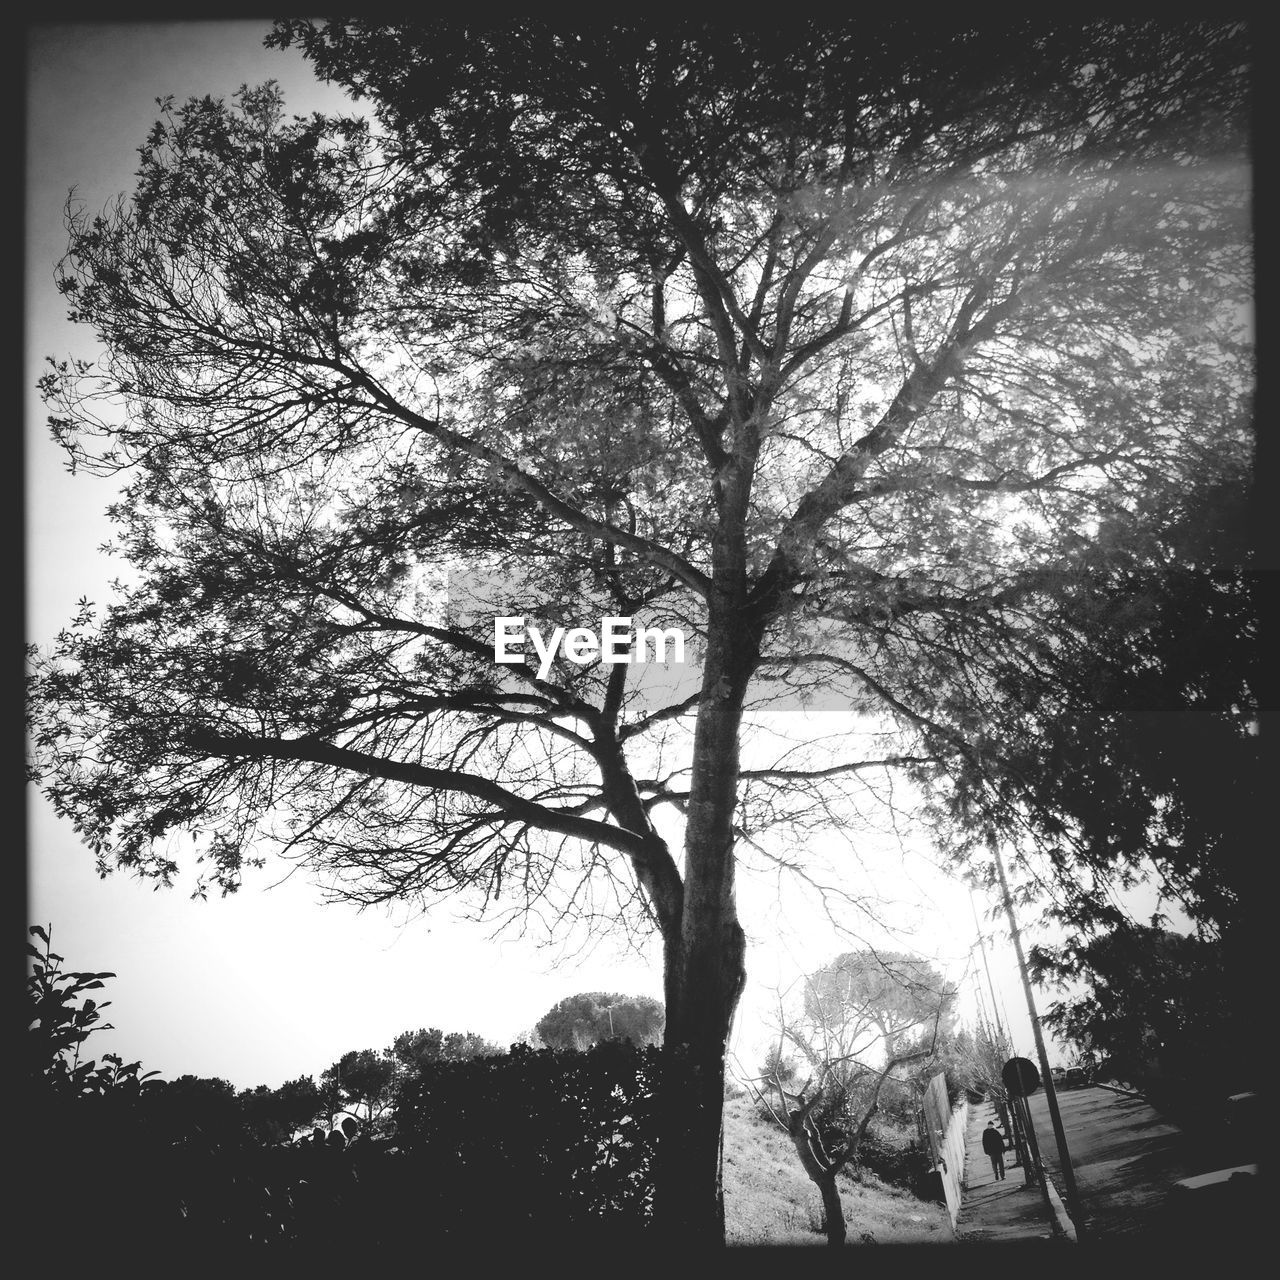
x=972 y=1060
x=274 y=1116
x=824 y=346
x=895 y=993
x=414 y=1049
x=1148 y=1004
x=362 y=1082
x=1143 y=756
x=1144 y=744
x=849 y=1005
x=778 y=1065
x=578 y=1022
x=827 y=1115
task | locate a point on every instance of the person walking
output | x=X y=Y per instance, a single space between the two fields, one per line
x=993 y=1144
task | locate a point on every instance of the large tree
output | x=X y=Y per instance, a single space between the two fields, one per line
x=826 y=345
x=1129 y=744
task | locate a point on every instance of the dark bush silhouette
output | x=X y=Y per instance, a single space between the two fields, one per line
x=541 y=1142
x=572 y=1132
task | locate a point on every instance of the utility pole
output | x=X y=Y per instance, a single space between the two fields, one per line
x=1008 y=1110
x=1006 y=1045
x=1050 y=1093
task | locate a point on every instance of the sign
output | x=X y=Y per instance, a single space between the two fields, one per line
x=1020 y=1077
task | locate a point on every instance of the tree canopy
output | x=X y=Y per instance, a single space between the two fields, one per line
x=1147 y=1005
x=1129 y=738
x=898 y=996
x=579 y=1021
x=413 y=1049
x=833 y=347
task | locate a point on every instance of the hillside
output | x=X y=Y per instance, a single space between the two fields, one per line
x=770 y=1201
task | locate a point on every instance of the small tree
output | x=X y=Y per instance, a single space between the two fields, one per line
x=848 y=1005
x=827 y=1093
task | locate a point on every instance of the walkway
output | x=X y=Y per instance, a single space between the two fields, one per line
x=1138 y=1177
x=998 y=1212
x=1127 y=1156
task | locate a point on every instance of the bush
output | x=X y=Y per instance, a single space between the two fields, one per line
x=896 y=1158
x=573 y=1132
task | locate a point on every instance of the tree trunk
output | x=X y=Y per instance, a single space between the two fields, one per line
x=705 y=971
x=822 y=1173
x=832 y=1210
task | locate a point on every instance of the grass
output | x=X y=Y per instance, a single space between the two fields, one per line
x=770 y=1201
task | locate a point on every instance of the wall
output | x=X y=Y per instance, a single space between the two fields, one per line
x=946 y=1132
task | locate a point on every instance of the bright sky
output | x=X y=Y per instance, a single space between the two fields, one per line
x=270 y=984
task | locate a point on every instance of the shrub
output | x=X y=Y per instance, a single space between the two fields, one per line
x=896 y=1158
x=573 y=1132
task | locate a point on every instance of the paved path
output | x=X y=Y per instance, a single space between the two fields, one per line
x=1126 y=1156
x=997 y=1212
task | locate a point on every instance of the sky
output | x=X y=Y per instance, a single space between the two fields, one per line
x=272 y=983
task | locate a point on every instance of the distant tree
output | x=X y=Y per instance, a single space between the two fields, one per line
x=896 y=993
x=363 y=1083
x=413 y=1049
x=578 y=1022
x=972 y=1064
x=778 y=1065
x=276 y=1115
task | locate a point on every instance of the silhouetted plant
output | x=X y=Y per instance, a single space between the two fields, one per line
x=61 y=1017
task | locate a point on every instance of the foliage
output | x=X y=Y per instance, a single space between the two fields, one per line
x=1144 y=756
x=362 y=1081
x=274 y=1116
x=60 y=1019
x=574 y=1131
x=416 y=1049
x=1148 y=1004
x=900 y=995
x=848 y=1005
x=894 y=1156
x=777 y=1063
x=972 y=1061
x=1143 y=749
x=832 y=346
x=577 y=1022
